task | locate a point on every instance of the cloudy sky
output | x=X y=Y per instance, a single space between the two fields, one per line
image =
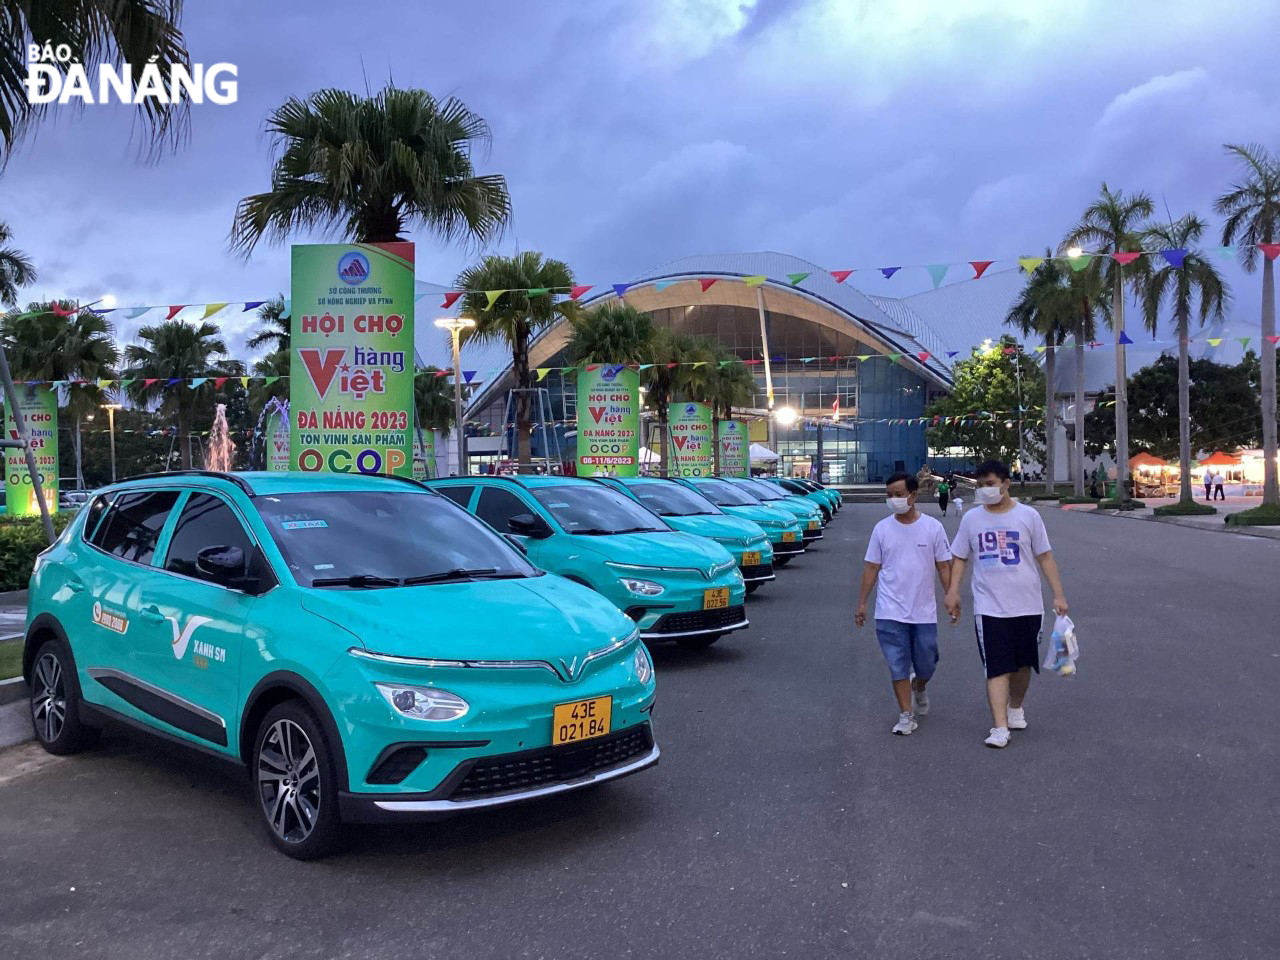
x=631 y=133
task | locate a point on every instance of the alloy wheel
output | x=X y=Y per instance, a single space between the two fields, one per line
x=49 y=698
x=289 y=781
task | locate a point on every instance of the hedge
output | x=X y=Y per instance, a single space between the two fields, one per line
x=20 y=541
x=1263 y=516
x=1121 y=505
x=1184 y=509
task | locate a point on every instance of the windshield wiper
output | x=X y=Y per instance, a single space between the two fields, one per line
x=463 y=573
x=356 y=580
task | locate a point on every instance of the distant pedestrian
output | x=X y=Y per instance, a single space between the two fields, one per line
x=944 y=494
x=1208 y=483
x=905 y=551
x=1010 y=548
x=1218 y=481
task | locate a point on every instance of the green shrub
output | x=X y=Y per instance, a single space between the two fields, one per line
x=1121 y=505
x=1263 y=516
x=20 y=541
x=1187 y=508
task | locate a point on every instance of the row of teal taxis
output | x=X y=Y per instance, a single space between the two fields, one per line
x=373 y=648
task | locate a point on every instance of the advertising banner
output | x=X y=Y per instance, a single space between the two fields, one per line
x=277 y=439
x=424 y=455
x=39 y=407
x=690 y=448
x=351 y=369
x=735 y=449
x=608 y=421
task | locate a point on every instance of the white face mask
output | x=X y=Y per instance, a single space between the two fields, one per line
x=988 y=496
x=898 y=504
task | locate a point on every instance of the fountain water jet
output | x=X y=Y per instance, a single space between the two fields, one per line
x=222 y=449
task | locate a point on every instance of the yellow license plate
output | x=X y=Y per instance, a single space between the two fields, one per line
x=789 y=537
x=751 y=558
x=813 y=524
x=715 y=599
x=581 y=720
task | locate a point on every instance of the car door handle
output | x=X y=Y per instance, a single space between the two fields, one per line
x=75 y=584
x=152 y=614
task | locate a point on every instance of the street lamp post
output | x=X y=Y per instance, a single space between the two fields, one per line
x=455 y=326
x=1022 y=459
x=111 y=409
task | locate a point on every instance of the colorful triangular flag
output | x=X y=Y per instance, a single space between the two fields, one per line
x=195 y=381
x=1080 y=262
x=1214 y=341
x=980 y=267
x=889 y=271
x=210 y=309
x=796 y=277
x=1175 y=257
x=175 y=310
x=252 y=305
x=755 y=280
x=707 y=282
x=576 y=292
x=841 y=276
x=620 y=288
x=1225 y=252
x=1029 y=264
x=1270 y=250
x=538 y=292
x=1124 y=258
x=542 y=373
x=450 y=299
x=492 y=296
x=937 y=272
x=663 y=284
x=1243 y=341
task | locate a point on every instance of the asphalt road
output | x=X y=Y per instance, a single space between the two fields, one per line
x=1135 y=818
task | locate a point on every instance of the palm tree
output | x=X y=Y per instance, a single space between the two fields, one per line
x=275 y=328
x=1112 y=224
x=516 y=316
x=43 y=345
x=370 y=167
x=178 y=351
x=97 y=31
x=1252 y=209
x=15 y=269
x=432 y=403
x=614 y=332
x=1087 y=294
x=731 y=386
x=1196 y=286
x=1043 y=308
x=274 y=364
x=668 y=376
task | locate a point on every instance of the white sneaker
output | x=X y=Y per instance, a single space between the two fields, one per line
x=999 y=737
x=1017 y=718
x=906 y=724
x=921 y=699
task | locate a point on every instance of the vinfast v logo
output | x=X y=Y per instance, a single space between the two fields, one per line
x=322 y=366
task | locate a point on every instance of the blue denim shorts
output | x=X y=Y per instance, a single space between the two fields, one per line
x=908 y=646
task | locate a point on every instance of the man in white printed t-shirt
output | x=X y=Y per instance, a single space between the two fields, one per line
x=1010 y=548
x=906 y=549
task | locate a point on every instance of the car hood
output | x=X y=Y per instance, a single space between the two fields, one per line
x=673 y=549
x=803 y=506
x=758 y=514
x=530 y=618
x=716 y=525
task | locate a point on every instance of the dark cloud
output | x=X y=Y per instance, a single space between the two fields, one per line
x=855 y=135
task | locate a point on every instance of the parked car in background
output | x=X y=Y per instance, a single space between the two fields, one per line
x=825 y=499
x=688 y=510
x=807 y=513
x=324 y=630
x=785 y=532
x=674 y=586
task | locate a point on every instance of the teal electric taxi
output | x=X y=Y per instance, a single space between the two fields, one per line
x=673 y=585
x=808 y=514
x=365 y=648
x=825 y=499
x=686 y=509
x=783 y=529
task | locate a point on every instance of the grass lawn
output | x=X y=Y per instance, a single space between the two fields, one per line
x=10 y=659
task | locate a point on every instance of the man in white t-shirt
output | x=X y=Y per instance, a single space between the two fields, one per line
x=1010 y=548
x=906 y=549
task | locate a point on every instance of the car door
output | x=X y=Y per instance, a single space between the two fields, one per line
x=117 y=567
x=196 y=624
x=497 y=505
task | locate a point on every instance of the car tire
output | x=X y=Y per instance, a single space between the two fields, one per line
x=295 y=782
x=752 y=588
x=698 y=643
x=780 y=561
x=55 y=701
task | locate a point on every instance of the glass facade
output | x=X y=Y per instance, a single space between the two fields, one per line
x=854 y=451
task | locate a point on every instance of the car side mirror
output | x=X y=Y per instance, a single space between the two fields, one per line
x=527 y=525
x=516 y=542
x=228 y=567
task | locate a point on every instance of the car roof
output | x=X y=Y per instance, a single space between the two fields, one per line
x=262 y=482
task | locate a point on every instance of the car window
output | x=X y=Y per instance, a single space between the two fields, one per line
x=497 y=507
x=725 y=494
x=673 y=500
x=133 y=525
x=458 y=493
x=379 y=539
x=206 y=521
x=594 y=511
x=93 y=516
x=763 y=490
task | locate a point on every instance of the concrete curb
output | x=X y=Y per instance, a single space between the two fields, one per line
x=11 y=691
x=1266 y=533
x=15 y=724
x=13 y=597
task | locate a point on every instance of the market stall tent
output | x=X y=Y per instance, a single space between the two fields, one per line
x=762 y=454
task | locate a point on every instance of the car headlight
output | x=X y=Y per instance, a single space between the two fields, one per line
x=641 y=588
x=642 y=665
x=423 y=703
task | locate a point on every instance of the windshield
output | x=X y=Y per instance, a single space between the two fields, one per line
x=672 y=500
x=595 y=511
x=763 y=490
x=378 y=539
x=724 y=494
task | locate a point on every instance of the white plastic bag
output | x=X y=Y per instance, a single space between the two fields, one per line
x=1064 y=650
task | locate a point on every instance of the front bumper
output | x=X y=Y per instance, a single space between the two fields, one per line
x=495 y=781
x=697 y=623
x=758 y=574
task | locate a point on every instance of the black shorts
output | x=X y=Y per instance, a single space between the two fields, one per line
x=1007 y=644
